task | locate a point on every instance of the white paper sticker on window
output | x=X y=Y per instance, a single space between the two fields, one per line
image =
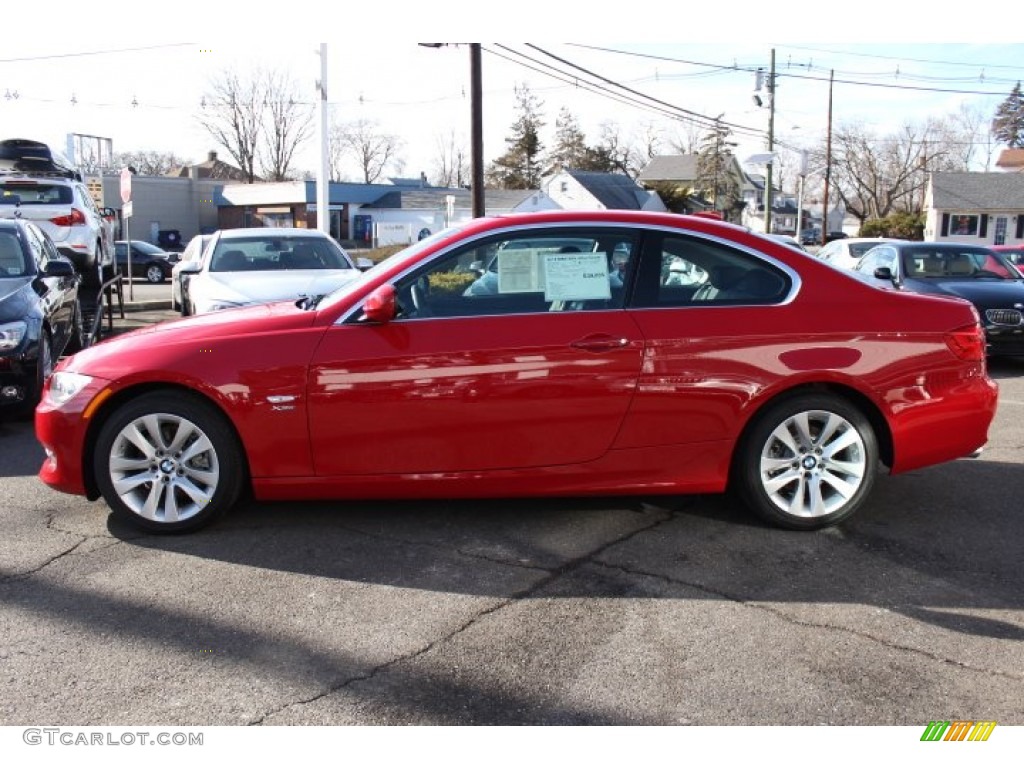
x=519 y=271
x=576 y=277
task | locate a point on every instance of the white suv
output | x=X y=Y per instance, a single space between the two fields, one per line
x=37 y=187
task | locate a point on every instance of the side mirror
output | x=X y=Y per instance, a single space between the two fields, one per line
x=380 y=306
x=191 y=267
x=363 y=263
x=885 y=273
x=61 y=268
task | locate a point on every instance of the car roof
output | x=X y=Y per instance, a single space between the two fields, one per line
x=270 y=232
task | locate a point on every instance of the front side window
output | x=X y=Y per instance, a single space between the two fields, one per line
x=12 y=258
x=551 y=271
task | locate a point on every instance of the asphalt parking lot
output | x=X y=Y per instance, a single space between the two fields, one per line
x=681 y=610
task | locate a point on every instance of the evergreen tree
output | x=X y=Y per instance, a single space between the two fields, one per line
x=520 y=166
x=1008 y=124
x=714 y=163
x=570 y=150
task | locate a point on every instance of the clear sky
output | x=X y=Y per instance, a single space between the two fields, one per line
x=141 y=83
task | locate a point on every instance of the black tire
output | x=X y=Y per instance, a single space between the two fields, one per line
x=807 y=462
x=165 y=487
x=154 y=273
x=44 y=367
x=76 y=337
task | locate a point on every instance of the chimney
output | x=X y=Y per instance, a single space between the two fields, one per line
x=211 y=156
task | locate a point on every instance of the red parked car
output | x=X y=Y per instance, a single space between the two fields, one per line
x=533 y=355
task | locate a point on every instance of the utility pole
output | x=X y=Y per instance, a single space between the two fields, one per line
x=477 y=148
x=828 y=163
x=323 y=176
x=476 y=127
x=768 y=193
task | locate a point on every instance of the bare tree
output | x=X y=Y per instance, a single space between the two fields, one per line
x=876 y=176
x=363 y=142
x=148 y=162
x=232 y=113
x=687 y=139
x=287 y=125
x=452 y=162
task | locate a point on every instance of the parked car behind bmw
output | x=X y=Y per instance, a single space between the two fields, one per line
x=972 y=272
x=240 y=267
x=40 y=314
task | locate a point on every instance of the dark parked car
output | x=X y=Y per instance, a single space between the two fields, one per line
x=148 y=261
x=585 y=371
x=1012 y=253
x=972 y=272
x=40 y=314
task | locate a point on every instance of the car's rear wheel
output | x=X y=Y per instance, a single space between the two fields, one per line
x=154 y=274
x=807 y=462
x=168 y=462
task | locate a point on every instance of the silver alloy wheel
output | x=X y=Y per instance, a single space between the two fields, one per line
x=154 y=274
x=163 y=467
x=813 y=464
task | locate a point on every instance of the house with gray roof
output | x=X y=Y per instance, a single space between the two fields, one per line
x=971 y=207
x=594 y=191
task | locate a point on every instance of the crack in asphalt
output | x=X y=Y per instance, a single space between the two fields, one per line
x=811 y=624
x=525 y=593
x=83 y=538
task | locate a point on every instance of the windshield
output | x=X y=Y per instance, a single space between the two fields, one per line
x=269 y=252
x=143 y=247
x=958 y=264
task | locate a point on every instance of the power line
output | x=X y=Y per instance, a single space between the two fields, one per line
x=107 y=52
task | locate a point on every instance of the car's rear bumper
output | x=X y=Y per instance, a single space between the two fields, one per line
x=947 y=419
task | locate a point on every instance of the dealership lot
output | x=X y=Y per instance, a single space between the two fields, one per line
x=578 y=611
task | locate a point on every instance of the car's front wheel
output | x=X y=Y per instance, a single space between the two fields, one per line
x=807 y=462
x=154 y=273
x=168 y=463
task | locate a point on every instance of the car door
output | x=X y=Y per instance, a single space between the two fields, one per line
x=57 y=294
x=706 y=343
x=528 y=374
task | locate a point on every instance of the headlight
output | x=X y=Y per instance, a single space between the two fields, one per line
x=11 y=335
x=64 y=385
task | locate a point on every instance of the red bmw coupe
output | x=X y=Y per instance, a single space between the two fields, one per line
x=533 y=355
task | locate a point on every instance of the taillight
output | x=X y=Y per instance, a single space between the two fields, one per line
x=75 y=217
x=967 y=343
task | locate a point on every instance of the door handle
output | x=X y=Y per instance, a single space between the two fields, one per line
x=599 y=343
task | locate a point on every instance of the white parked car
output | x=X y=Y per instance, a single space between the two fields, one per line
x=39 y=185
x=260 y=265
x=179 y=282
x=847 y=252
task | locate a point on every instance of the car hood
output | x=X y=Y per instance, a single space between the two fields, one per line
x=270 y=286
x=984 y=293
x=112 y=359
x=16 y=298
